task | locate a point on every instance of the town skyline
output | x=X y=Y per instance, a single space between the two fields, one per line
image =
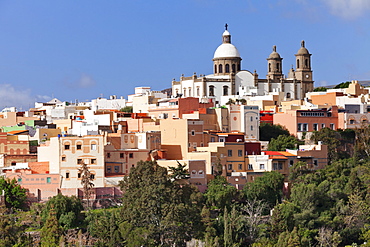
x=81 y=51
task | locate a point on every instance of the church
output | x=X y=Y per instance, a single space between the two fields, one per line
x=228 y=79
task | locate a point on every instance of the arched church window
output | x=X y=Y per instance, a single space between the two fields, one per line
x=227 y=68
x=220 y=68
x=184 y=92
x=269 y=67
x=306 y=63
x=233 y=68
x=278 y=67
x=211 y=91
x=215 y=69
x=226 y=90
x=239 y=67
x=189 y=92
x=297 y=63
x=197 y=91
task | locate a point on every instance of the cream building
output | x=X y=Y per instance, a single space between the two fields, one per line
x=66 y=154
x=229 y=79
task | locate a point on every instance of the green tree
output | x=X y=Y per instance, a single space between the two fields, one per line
x=128 y=109
x=9 y=231
x=320 y=89
x=51 y=231
x=15 y=195
x=179 y=172
x=168 y=213
x=268 y=188
x=220 y=193
x=67 y=210
x=329 y=137
x=343 y=85
x=269 y=131
x=282 y=142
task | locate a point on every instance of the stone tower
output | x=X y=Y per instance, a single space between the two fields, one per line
x=274 y=65
x=303 y=70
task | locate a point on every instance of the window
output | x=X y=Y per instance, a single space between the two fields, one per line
x=315 y=127
x=280 y=166
x=19 y=180
x=278 y=67
x=79 y=175
x=184 y=94
x=93 y=146
x=64 y=158
x=67 y=175
x=92 y=176
x=251 y=119
x=250 y=167
x=315 y=163
x=189 y=92
x=93 y=161
x=79 y=146
x=131 y=155
x=269 y=67
x=67 y=147
x=251 y=127
x=79 y=161
x=297 y=63
x=240 y=153
x=233 y=68
x=225 y=90
x=108 y=155
x=48 y=180
x=332 y=126
x=262 y=166
x=193 y=132
x=322 y=125
x=122 y=155
x=291 y=162
x=305 y=127
x=109 y=169
x=351 y=121
x=211 y=90
x=116 y=169
x=274 y=166
x=230 y=166
x=240 y=166
x=215 y=68
x=220 y=68
x=198 y=91
x=229 y=153
x=299 y=127
x=227 y=68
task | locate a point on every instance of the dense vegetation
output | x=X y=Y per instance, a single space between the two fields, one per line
x=328 y=207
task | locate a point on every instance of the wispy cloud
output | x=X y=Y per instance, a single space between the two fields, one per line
x=20 y=98
x=348 y=9
x=83 y=81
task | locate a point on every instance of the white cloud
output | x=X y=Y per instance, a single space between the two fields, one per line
x=85 y=81
x=20 y=98
x=348 y=9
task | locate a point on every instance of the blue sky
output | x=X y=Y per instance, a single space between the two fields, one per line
x=86 y=49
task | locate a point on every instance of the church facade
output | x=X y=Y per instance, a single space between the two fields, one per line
x=228 y=79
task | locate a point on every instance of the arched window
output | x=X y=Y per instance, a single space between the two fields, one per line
x=233 y=68
x=288 y=95
x=306 y=63
x=297 y=63
x=211 y=91
x=189 y=92
x=184 y=92
x=239 y=67
x=226 y=90
x=227 y=68
x=220 y=68
x=198 y=91
x=278 y=67
x=269 y=67
x=215 y=69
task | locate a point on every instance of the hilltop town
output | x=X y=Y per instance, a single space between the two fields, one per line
x=224 y=124
x=201 y=122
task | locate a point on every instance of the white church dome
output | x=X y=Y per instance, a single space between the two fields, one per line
x=226 y=50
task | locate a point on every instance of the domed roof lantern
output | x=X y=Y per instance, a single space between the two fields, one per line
x=303 y=50
x=274 y=54
x=226 y=49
